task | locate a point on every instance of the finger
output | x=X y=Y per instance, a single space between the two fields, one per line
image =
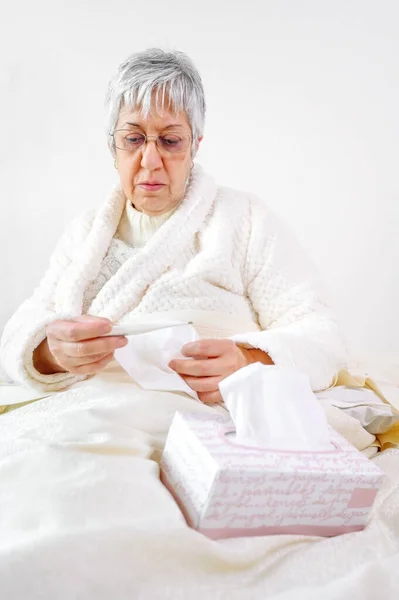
x=81 y=328
x=197 y=368
x=203 y=384
x=90 y=348
x=207 y=348
x=92 y=368
x=85 y=360
x=210 y=397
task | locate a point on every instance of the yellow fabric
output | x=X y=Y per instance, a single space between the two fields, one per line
x=135 y=228
x=359 y=381
x=10 y=407
x=390 y=438
x=14 y=396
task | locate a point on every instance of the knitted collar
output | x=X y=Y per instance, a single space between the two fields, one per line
x=126 y=288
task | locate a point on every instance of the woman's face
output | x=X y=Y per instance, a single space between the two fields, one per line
x=153 y=180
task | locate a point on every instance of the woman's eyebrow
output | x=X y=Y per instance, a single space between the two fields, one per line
x=173 y=125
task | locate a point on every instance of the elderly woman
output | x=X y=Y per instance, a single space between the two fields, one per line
x=79 y=479
x=169 y=242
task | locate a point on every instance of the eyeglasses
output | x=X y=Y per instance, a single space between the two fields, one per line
x=167 y=143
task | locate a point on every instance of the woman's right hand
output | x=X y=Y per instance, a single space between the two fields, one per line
x=76 y=346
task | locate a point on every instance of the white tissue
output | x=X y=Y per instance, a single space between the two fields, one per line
x=146 y=358
x=274 y=407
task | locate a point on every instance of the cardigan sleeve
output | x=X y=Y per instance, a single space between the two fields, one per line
x=27 y=327
x=298 y=329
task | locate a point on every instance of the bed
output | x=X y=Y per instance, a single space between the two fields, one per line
x=83 y=513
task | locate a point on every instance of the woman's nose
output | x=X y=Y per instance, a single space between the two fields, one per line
x=151 y=158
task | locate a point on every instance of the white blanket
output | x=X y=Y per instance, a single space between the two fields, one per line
x=83 y=514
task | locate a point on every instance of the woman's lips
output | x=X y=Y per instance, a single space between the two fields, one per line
x=152 y=187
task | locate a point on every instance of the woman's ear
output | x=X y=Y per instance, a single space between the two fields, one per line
x=197 y=145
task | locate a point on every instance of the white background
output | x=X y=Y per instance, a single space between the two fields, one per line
x=310 y=88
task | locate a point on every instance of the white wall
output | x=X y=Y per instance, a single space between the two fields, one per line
x=312 y=85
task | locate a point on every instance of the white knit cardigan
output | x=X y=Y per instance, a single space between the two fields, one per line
x=221 y=251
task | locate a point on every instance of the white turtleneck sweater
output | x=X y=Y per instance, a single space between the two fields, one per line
x=135 y=229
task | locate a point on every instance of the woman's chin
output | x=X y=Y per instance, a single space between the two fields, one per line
x=153 y=207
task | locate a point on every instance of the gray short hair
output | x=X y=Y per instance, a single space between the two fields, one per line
x=155 y=73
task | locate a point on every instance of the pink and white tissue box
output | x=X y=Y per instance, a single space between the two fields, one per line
x=225 y=489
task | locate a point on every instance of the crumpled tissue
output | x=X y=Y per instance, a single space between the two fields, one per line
x=146 y=358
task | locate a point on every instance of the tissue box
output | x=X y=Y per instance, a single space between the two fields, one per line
x=225 y=489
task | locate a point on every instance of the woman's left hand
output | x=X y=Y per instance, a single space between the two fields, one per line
x=211 y=361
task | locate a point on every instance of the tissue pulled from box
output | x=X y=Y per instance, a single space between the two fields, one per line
x=274 y=407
